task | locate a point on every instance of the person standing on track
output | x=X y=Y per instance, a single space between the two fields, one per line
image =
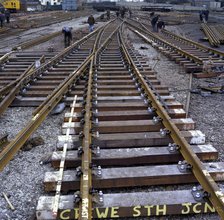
x=154 y=23
x=67 y=31
x=206 y=13
x=201 y=16
x=160 y=25
x=108 y=15
x=130 y=13
x=2 y=18
x=117 y=13
x=7 y=16
x=122 y=12
x=91 y=22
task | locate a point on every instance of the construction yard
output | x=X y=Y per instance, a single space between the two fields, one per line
x=200 y=96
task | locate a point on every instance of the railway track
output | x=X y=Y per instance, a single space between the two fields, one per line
x=191 y=55
x=26 y=40
x=48 y=91
x=20 y=68
x=124 y=135
x=19 y=25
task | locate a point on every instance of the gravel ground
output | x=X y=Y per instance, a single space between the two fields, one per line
x=22 y=179
x=207 y=112
x=7 y=43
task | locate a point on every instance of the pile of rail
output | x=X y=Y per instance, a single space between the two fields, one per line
x=214 y=33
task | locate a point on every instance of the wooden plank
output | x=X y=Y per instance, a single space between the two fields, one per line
x=128 y=115
x=144 y=139
x=119 y=205
x=134 y=156
x=119 y=87
x=130 y=106
x=128 y=126
x=124 y=140
x=132 y=177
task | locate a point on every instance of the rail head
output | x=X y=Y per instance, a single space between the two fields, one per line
x=5 y=57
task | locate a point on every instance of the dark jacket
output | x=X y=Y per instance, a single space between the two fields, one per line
x=91 y=20
x=7 y=14
x=154 y=20
x=2 y=17
x=161 y=24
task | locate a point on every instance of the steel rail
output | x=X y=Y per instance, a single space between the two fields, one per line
x=215 y=195
x=11 y=149
x=86 y=178
x=11 y=90
x=155 y=37
x=219 y=29
x=193 y=43
x=218 y=34
x=29 y=75
x=178 y=37
x=212 y=36
x=5 y=57
x=26 y=78
x=52 y=94
x=36 y=41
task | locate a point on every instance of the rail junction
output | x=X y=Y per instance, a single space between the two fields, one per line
x=124 y=132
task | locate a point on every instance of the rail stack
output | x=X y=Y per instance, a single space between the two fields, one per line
x=214 y=35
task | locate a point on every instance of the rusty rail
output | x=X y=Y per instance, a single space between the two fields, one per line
x=196 y=44
x=112 y=129
x=13 y=88
x=166 y=44
x=58 y=57
x=4 y=58
x=36 y=41
x=188 y=41
x=213 y=37
x=53 y=99
x=9 y=92
x=214 y=193
x=86 y=179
